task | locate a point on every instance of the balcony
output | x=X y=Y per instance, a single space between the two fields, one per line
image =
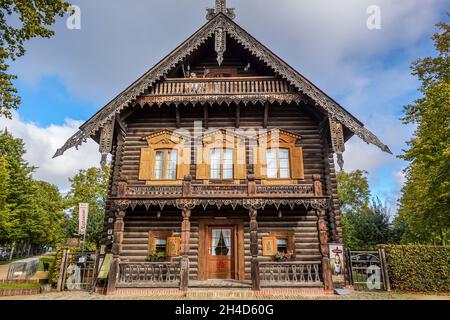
x=248 y=190
x=237 y=89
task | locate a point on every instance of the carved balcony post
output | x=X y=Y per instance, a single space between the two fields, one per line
x=185 y=239
x=254 y=249
x=119 y=226
x=323 y=240
x=251 y=184
x=187 y=186
x=318 y=192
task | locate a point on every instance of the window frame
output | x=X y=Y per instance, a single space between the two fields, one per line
x=221 y=163
x=165 y=169
x=278 y=163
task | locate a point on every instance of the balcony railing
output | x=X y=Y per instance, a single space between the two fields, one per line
x=290 y=273
x=149 y=274
x=248 y=190
x=213 y=86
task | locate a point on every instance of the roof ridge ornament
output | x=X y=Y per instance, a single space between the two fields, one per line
x=221 y=6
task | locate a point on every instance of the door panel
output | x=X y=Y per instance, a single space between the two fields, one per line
x=220 y=252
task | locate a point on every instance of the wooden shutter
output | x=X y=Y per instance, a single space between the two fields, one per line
x=146 y=164
x=202 y=172
x=297 y=163
x=260 y=165
x=240 y=162
x=151 y=242
x=269 y=246
x=173 y=246
x=184 y=163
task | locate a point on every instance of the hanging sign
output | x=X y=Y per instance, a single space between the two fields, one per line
x=83 y=217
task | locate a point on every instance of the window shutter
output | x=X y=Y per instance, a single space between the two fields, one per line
x=260 y=165
x=184 y=163
x=269 y=246
x=173 y=247
x=151 y=242
x=240 y=162
x=202 y=172
x=297 y=163
x=146 y=164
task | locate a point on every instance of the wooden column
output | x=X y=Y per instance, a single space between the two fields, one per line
x=185 y=239
x=254 y=249
x=113 y=276
x=323 y=240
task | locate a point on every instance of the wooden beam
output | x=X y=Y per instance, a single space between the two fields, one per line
x=205 y=116
x=254 y=250
x=185 y=240
x=266 y=115
x=178 y=117
x=238 y=116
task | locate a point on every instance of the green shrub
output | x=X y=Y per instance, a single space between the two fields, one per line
x=54 y=270
x=418 y=268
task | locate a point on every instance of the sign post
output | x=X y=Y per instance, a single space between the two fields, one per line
x=82 y=226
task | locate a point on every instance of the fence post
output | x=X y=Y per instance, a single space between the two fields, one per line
x=62 y=269
x=386 y=281
x=348 y=263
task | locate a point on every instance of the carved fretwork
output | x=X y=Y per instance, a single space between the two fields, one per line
x=254 y=249
x=106 y=139
x=221 y=7
x=337 y=140
x=220 y=44
x=323 y=102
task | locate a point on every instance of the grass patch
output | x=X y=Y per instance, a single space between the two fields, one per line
x=20 y=286
x=50 y=260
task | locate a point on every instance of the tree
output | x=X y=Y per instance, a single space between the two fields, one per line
x=30 y=211
x=425 y=201
x=365 y=224
x=88 y=186
x=22 y=20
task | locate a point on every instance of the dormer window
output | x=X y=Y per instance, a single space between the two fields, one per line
x=278 y=164
x=221 y=164
x=165 y=165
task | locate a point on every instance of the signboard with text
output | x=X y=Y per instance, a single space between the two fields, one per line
x=83 y=218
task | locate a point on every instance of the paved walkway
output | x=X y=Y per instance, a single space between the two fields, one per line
x=76 y=295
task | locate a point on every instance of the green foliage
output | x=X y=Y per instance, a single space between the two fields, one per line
x=50 y=259
x=30 y=211
x=27 y=285
x=88 y=186
x=418 y=268
x=353 y=190
x=22 y=20
x=364 y=225
x=425 y=203
x=53 y=274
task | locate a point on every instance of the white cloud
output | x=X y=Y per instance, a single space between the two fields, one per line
x=41 y=144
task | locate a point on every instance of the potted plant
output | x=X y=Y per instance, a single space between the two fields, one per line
x=154 y=256
x=281 y=256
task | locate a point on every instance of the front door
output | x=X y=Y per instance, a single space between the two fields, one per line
x=220 y=254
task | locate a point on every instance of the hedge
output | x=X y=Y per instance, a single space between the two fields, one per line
x=418 y=268
x=54 y=271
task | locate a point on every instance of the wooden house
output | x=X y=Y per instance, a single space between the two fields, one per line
x=222 y=167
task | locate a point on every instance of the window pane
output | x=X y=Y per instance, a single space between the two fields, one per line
x=161 y=245
x=159 y=165
x=284 y=164
x=228 y=164
x=282 y=245
x=272 y=164
x=172 y=165
x=215 y=164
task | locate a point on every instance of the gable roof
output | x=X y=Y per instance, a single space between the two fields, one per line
x=161 y=69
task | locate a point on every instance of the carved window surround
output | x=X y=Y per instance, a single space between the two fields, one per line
x=165 y=140
x=281 y=139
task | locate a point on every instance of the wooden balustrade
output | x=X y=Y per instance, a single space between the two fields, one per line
x=290 y=273
x=149 y=273
x=213 y=86
x=249 y=190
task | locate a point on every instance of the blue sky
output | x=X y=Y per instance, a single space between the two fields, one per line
x=64 y=80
